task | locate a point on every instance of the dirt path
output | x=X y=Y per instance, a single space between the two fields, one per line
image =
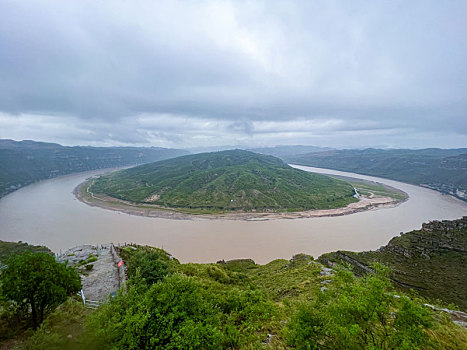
x=102 y=279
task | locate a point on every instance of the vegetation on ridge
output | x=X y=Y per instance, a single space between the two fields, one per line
x=241 y=305
x=25 y=162
x=431 y=261
x=226 y=181
x=444 y=170
x=8 y=249
x=285 y=304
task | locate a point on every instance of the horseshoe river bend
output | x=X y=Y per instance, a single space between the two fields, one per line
x=47 y=213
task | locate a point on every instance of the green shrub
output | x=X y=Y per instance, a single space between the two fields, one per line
x=147 y=265
x=218 y=274
x=13 y=318
x=357 y=313
x=245 y=313
x=175 y=313
x=90 y=259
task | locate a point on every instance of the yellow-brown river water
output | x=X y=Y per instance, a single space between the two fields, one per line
x=47 y=213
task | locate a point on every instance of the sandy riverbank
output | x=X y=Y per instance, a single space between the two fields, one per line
x=83 y=194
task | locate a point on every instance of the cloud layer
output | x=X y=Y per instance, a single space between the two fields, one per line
x=173 y=73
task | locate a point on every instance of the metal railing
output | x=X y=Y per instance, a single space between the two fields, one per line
x=90 y=304
x=122 y=274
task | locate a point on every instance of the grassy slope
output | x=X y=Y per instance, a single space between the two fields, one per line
x=25 y=162
x=287 y=284
x=228 y=180
x=444 y=170
x=368 y=188
x=8 y=249
x=433 y=263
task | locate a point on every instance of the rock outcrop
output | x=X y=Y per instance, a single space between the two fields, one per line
x=431 y=260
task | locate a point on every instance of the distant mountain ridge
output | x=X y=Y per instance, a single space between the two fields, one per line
x=25 y=162
x=288 y=150
x=444 y=170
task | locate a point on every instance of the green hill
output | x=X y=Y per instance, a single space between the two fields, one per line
x=228 y=180
x=25 y=162
x=431 y=260
x=9 y=249
x=443 y=170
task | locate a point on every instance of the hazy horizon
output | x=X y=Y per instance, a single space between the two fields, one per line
x=215 y=148
x=247 y=74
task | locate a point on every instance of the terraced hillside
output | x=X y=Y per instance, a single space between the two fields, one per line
x=431 y=260
x=233 y=180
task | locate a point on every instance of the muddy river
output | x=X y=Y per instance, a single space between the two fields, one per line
x=47 y=213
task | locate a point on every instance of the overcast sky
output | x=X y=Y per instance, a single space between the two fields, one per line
x=243 y=73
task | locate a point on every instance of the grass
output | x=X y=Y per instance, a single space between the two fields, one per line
x=8 y=249
x=63 y=329
x=91 y=258
x=280 y=280
x=439 y=169
x=226 y=181
x=287 y=285
x=431 y=263
x=367 y=188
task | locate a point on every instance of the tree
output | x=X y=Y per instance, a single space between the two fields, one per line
x=39 y=283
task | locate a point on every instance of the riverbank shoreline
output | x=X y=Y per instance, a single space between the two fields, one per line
x=47 y=213
x=83 y=194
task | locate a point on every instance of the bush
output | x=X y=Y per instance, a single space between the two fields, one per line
x=147 y=265
x=172 y=314
x=13 y=318
x=91 y=258
x=357 y=313
x=245 y=314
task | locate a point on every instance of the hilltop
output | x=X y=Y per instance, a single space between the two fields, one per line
x=234 y=180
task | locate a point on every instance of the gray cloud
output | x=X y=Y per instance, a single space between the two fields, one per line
x=235 y=72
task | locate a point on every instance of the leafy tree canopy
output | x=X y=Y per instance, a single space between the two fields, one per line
x=37 y=282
